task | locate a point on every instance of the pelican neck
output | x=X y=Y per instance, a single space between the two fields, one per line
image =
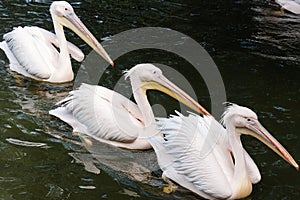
x=240 y=182
x=142 y=101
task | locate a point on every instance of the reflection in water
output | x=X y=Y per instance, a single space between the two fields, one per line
x=139 y=169
x=275 y=33
x=257 y=52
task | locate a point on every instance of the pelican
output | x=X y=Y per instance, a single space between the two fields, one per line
x=31 y=52
x=199 y=154
x=111 y=118
x=290 y=5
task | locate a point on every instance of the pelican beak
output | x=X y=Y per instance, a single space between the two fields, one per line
x=255 y=129
x=72 y=22
x=162 y=84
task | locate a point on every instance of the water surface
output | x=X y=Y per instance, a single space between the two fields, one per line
x=255 y=47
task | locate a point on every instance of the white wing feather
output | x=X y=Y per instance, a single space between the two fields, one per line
x=31 y=52
x=195 y=149
x=195 y=153
x=66 y=116
x=290 y=5
x=13 y=62
x=74 y=51
x=105 y=113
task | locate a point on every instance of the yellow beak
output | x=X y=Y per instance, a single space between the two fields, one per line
x=72 y=22
x=164 y=85
x=258 y=131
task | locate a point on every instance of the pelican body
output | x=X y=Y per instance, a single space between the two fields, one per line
x=32 y=51
x=290 y=5
x=201 y=155
x=111 y=118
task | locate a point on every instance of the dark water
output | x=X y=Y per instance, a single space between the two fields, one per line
x=255 y=48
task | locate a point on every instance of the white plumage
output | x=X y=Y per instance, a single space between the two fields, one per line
x=190 y=162
x=35 y=56
x=290 y=5
x=111 y=118
x=92 y=110
x=200 y=155
x=33 y=51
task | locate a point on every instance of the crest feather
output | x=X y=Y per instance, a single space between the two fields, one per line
x=229 y=107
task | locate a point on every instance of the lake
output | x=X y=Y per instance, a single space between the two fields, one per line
x=254 y=46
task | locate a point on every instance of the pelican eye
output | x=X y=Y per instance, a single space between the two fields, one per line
x=250 y=121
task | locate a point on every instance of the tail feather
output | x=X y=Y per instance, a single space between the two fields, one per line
x=164 y=159
x=66 y=116
x=9 y=54
x=14 y=64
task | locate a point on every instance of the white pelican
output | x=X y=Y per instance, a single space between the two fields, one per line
x=111 y=118
x=201 y=155
x=290 y=5
x=31 y=52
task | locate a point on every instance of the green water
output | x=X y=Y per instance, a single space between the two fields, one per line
x=255 y=48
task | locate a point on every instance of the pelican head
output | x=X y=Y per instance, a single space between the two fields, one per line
x=246 y=122
x=149 y=77
x=63 y=15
